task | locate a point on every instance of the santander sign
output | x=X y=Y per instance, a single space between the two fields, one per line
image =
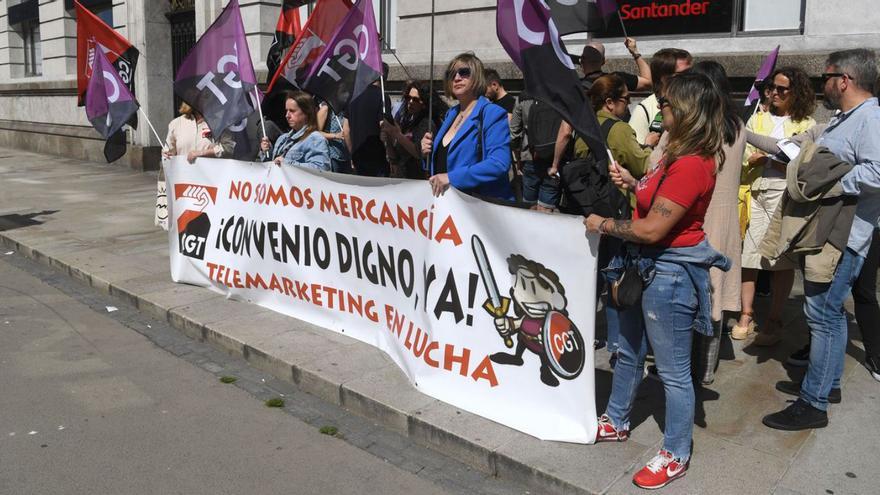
x=659 y=10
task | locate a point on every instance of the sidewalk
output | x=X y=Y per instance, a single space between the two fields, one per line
x=95 y=222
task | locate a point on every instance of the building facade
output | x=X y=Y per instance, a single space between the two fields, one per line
x=38 y=49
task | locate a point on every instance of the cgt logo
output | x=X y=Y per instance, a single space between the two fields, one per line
x=193 y=225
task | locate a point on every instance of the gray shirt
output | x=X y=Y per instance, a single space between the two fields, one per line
x=854 y=136
x=518 y=138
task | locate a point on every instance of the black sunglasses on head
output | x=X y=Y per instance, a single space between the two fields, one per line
x=462 y=72
x=828 y=75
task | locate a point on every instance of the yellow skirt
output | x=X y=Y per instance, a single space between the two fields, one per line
x=745 y=193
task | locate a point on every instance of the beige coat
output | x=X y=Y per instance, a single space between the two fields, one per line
x=722 y=226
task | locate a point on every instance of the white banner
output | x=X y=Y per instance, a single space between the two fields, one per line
x=486 y=307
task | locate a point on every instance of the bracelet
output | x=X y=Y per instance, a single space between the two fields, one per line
x=636 y=56
x=602 y=226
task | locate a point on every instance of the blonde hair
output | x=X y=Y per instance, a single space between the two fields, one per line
x=478 y=76
x=698 y=112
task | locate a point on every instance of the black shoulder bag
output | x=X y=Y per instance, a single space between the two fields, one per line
x=627 y=290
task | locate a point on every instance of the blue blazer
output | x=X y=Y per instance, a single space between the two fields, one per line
x=484 y=175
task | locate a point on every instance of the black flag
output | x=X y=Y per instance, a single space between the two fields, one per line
x=529 y=36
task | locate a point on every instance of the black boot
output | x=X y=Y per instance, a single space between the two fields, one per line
x=512 y=359
x=798 y=416
x=548 y=378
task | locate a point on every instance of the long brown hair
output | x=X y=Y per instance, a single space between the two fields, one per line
x=803 y=98
x=306 y=104
x=698 y=112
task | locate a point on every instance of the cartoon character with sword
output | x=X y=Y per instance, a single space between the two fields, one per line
x=540 y=321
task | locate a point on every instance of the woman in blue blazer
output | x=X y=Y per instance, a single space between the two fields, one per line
x=468 y=160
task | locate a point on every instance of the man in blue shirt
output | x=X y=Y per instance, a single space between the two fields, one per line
x=854 y=136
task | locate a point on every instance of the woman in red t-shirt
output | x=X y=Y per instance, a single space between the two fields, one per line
x=666 y=235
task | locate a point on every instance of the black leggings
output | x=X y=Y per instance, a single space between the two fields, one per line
x=864 y=293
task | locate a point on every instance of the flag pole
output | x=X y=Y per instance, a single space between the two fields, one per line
x=163 y=143
x=382 y=85
x=388 y=48
x=260 y=111
x=621 y=24
x=431 y=92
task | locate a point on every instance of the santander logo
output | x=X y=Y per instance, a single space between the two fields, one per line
x=659 y=10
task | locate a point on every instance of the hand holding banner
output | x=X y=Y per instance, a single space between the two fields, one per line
x=396 y=268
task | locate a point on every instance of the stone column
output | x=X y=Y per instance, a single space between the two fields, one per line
x=147 y=28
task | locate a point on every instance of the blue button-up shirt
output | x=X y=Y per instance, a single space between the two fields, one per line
x=854 y=137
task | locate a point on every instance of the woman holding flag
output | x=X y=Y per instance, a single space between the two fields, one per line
x=190 y=136
x=668 y=249
x=474 y=152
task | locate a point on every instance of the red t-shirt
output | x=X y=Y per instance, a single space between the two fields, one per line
x=689 y=183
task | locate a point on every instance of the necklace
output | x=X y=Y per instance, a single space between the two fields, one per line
x=459 y=120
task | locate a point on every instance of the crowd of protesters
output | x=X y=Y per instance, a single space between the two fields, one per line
x=704 y=212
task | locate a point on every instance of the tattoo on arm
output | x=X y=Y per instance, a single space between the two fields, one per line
x=662 y=210
x=624 y=230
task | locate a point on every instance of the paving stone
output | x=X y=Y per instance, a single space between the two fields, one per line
x=385 y=395
x=836 y=458
x=324 y=375
x=461 y=434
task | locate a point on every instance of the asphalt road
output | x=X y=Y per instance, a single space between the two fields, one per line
x=90 y=406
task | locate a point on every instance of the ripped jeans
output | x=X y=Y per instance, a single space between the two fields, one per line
x=668 y=310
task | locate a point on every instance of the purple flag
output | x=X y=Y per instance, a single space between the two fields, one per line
x=763 y=73
x=530 y=37
x=217 y=78
x=109 y=104
x=351 y=61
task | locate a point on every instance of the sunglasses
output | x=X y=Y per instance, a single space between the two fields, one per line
x=828 y=75
x=626 y=99
x=414 y=99
x=780 y=90
x=663 y=102
x=462 y=72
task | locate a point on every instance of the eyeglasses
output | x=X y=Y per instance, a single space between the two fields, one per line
x=828 y=75
x=780 y=90
x=625 y=98
x=462 y=72
x=663 y=102
x=414 y=99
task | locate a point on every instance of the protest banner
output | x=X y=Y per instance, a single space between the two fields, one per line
x=480 y=305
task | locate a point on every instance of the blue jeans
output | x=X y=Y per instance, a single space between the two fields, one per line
x=538 y=187
x=668 y=311
x=828 y=330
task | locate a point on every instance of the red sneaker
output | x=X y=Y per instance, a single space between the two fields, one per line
x=608 y=433
x=661 y=471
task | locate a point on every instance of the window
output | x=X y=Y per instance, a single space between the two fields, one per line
x=24 y=20
x=694 y=18
x=778 y=15
x=33 y=56
x=386 y=22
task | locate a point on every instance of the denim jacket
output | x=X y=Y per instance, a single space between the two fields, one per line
x=696 y=261
x=311 y=151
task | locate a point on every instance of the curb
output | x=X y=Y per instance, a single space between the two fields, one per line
x=470 y=439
